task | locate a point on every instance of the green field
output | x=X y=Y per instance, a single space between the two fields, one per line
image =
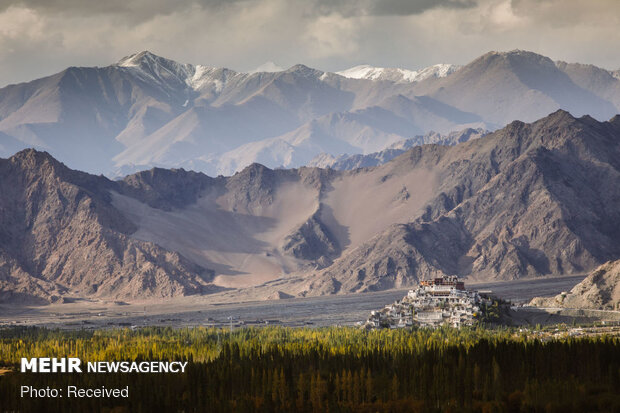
x=321 y=370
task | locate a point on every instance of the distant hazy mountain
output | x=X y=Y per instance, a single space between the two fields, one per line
x=599 y=81
x=348 y=162
x=526 y=200
x=501 y=87
x=147 y=111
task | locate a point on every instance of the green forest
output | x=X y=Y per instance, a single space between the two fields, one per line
x=335 y=369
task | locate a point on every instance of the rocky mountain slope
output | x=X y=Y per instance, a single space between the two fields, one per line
x=524 y=201
x=527 y=200
x=60 y=236
x=147 y=110
x=600 y=290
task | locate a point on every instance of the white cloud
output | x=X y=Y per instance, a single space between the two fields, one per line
x=332 y=35
x=503 y=18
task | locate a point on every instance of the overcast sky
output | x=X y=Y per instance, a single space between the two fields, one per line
x=41 y=37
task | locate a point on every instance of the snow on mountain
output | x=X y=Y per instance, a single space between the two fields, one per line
x=162 y=70
x=217 y=78
x=398 y=75
x=157 y=68
x=439 y=70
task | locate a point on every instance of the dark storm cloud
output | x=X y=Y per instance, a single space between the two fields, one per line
x=132 y=10
x=407 y=8
x=90 y=7
x=144 y=9
x=386 y=7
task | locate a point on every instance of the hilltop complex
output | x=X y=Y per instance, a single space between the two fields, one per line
x=435 y=302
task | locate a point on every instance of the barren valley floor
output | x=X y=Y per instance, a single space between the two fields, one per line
x=215 y=310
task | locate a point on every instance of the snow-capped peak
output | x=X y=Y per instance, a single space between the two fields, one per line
x=396 y=74
x=216 y=78
x=148 y=59
x=149 y=65
x=135 y=59
x=161 y=70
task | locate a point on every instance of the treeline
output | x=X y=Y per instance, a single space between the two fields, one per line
x=321 y=370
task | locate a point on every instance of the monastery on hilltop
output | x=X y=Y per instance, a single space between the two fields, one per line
x=435 y=302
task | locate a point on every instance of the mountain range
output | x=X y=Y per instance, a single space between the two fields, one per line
x=146 y=110
x=527 y=200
